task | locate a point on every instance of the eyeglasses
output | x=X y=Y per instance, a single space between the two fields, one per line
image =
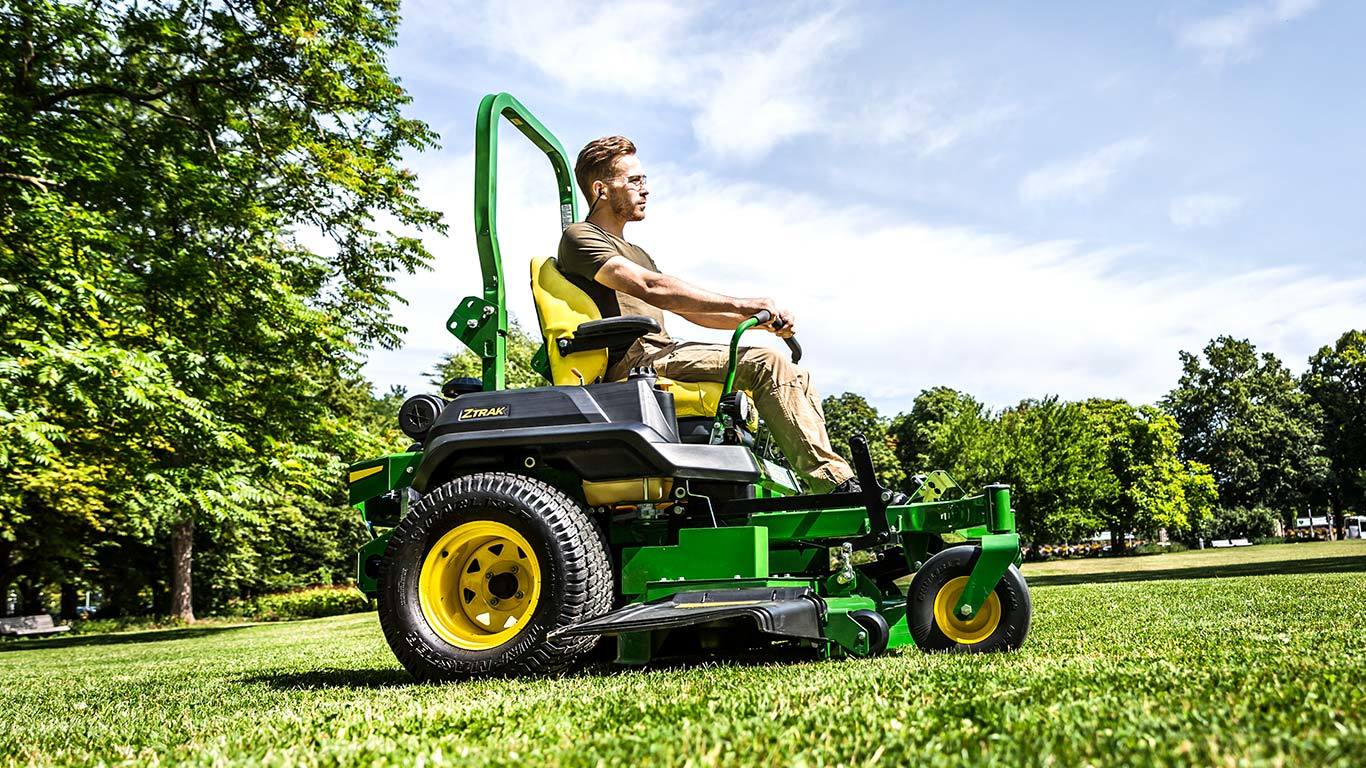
x=638 y=182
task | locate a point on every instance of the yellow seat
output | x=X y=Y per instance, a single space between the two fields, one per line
x=561 y=307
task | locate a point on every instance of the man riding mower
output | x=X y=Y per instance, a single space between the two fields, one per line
x=525 y=525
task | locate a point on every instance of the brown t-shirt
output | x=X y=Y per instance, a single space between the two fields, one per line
x=584 y=249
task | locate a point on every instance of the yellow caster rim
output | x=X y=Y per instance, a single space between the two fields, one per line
x=479 y=585
x=970 y=631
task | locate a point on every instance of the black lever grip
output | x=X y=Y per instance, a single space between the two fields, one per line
x=764 y=316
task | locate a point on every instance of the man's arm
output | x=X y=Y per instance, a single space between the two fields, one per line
x=698 y=305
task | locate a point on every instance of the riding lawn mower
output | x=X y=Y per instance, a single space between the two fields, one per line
x=524 y=526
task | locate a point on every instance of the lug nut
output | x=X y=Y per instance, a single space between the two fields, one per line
x=519 y=595
x=965 y=610
x=513 y=569
x=493 y=601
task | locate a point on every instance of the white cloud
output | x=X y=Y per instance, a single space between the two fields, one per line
x=1202 y=210
x=1084 y=178
x=769 y=95
x=751 y=78
x=1233 y=35
x=930 y=116
x=888 y=306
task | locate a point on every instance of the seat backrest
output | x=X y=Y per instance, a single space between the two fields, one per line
x=561 y=307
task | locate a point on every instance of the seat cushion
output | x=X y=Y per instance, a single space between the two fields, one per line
x=694 y=398
x=561 y=308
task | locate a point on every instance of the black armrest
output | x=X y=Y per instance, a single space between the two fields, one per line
x=608 y=333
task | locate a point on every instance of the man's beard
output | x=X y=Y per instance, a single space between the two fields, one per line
x=625 y=209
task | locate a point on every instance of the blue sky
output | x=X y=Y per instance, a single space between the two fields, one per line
x=1015 y=199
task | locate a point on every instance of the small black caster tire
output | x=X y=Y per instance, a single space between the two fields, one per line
x=879 y=631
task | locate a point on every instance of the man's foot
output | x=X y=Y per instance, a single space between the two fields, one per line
x=848 y=486
x=852 y=486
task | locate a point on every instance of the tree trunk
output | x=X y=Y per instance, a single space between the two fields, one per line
x=6 y=576
x=30 y=599
x=68 y=608
x=182 y=553
x=1117 y=543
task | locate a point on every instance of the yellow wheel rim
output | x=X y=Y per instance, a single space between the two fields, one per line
x=973 y=630
x=479 y=585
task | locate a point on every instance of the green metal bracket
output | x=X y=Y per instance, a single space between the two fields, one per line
x=366 y=578
x=999 y=550
x=377 y=477
x=540 y=363
x=489 y=334
x=844 y=631
x=938 y=486
x=701 y=553
x=475 y=322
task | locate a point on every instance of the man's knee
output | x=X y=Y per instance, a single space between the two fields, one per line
x=762 y=366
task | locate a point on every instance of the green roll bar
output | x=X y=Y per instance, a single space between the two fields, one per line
x=481 y=323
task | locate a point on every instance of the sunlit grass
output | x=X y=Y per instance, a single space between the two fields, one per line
x=1226 y=671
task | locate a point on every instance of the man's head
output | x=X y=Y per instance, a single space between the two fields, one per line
x=609 y=174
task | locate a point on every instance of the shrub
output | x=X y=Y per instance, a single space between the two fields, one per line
x=310 y=603
x=1242 y=523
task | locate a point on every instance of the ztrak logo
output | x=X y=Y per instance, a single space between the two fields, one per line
x=482 y=413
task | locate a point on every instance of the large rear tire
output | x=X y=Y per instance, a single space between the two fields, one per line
x=482 y=569
x=1001 y=624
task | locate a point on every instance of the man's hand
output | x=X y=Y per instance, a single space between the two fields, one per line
x=781 y=317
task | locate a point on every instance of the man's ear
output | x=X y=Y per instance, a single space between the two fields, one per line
x=600 y=189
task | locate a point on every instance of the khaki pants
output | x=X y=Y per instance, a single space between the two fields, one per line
x=782 y=391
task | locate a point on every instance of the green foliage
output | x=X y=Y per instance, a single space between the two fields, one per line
x=521 y=346
x=1244 y=417
x=851 y=414
x=1058 y=468
x=1242 y=523
x=1336 y=382
x=311 y=603
x=952 y=431
x=174 y=354
x=1145 y=488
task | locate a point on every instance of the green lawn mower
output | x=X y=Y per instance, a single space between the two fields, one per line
x=525 y=525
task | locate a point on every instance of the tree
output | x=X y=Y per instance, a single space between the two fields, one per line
x=1244 y=417
x=1147 y=483
x=851 y=414
x=1058 y=468
x=1336 y=382
x=169 y=337
x=521 y=346
x=950 y=430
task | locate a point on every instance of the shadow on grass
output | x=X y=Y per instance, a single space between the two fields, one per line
x=598 y=667
x=1303 y=565
x=320 y=679
x=113 y=638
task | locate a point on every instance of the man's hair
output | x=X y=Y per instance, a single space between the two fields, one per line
x=596 y=159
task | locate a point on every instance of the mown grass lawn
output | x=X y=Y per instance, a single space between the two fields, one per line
x=1255 y=670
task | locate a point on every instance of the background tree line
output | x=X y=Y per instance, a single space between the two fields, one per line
x=193 y=267
x=1236 y=445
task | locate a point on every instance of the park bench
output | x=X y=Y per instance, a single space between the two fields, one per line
x=1230 y=543
x=20 y=626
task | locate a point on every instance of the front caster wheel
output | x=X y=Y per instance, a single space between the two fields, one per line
x=482 y=569
x=1001 y=624
x=879 y=632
